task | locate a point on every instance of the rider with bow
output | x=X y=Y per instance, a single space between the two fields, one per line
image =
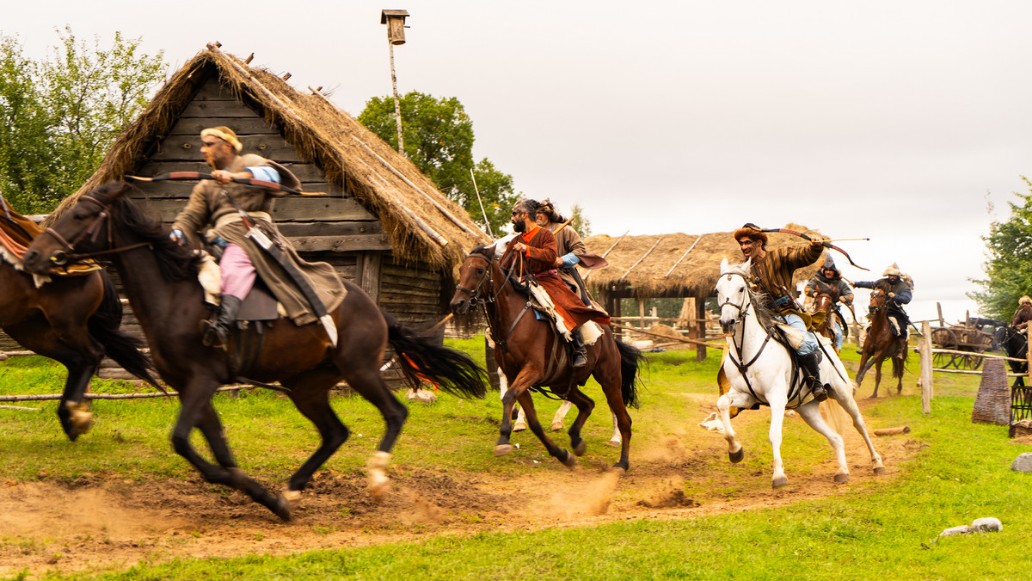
x=772 y=272
x=899 y=289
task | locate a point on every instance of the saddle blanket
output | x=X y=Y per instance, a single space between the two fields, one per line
x=590 y=331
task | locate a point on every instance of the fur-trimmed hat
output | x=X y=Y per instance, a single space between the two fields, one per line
x=892 y=270
x=752 y=232
x=1025 y=300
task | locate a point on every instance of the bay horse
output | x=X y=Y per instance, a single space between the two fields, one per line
x=75 y=320
x=1015 y=344
x=762 y=371
x=532 y=356
x=160 y=280
x=824 y=303
x=880 y=344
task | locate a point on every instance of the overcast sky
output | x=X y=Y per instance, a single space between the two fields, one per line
x=906 y=122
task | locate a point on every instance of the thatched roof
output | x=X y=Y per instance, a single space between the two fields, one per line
x=674 y=264
x=419 y=221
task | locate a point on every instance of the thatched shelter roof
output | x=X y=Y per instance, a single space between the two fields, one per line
x=421 y=224
x=674 y=264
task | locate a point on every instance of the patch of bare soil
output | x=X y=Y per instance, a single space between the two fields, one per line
x=102 y=524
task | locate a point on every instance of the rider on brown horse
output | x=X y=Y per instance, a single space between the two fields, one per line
x=234 y=213
x=531 y=255
x=1023 y=315
x=900 y=291
x=772 y=272
x=829 y=280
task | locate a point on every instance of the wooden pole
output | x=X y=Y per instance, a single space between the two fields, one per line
x=926 y=368
x=1029 y=356
x=397 y=101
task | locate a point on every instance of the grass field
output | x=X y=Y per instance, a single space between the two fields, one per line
x=947 y=471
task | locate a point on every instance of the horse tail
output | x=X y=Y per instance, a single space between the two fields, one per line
x=630 y=360
x=105 y=326
x=420 y=359
x=835 y=415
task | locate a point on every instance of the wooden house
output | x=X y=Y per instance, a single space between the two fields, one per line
x=382 y=224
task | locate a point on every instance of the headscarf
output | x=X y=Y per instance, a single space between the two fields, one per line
x=225 y=134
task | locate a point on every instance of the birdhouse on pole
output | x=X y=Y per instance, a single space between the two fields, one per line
x=395 y=21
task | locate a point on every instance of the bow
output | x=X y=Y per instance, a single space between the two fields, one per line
x=189 y=176
x=826 y=244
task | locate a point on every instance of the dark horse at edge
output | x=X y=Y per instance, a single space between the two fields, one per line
x=532 y=356
x=74 y=320
x=160 y=280
x=880 y=344
x=1015 y=344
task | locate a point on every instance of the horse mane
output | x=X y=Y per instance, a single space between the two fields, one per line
x=757 y=297
x=176 y=263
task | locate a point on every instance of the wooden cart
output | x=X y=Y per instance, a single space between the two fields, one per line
x=969 y=339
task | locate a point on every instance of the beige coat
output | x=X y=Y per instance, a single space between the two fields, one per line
x=209 y=213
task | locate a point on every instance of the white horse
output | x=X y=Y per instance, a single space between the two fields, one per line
x=760 y=371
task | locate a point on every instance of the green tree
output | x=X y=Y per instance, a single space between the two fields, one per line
x=579 y=222
x=1008 y=266
x=438 y=136
x=60 y=114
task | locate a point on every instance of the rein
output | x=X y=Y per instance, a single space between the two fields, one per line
x=500 y=340
x=743 y=313
x=93 y=233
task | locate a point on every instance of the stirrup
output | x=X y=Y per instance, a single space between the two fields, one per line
x=819 y=391
x=214 y=335
x=580 y=359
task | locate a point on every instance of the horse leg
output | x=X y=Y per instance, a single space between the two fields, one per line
x=811 y=414
x=560 y=415
x=584 y=407
x=366 y=380
x=523 y=380
x=196 y=411
x=735 y=452
x=617 y=438
x=310 y=393
x=845 y=399
x=877 y=376
x=865 y=364
x=564 y=456
x=71 y=346
x=777 y=422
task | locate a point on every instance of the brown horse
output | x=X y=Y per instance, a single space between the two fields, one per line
x=74 y=320
x=161 y=282
x=824 y=303
x=532 y=356
x=881 y=344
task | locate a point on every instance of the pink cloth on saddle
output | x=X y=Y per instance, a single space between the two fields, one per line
x=238 y=273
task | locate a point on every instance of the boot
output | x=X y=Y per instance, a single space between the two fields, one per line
x=216 y=333
x=811 y=369
x=580 y=354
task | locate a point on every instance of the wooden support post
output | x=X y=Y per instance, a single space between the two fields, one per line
x=926 y=367
x=1028 y=381
x=700 y=327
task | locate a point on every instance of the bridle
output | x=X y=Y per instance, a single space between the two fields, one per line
x=743 y=312
x=92 y=232
x=475 y=300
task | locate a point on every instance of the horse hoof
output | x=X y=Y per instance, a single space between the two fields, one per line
x=779 y=482
x=623 y=468
x=614 y=443
x=502 y=449
x=580 y=448
x=841 y=478
x=736 y=457
x=879 y=470
x=557 y=426
x=519 y=427
x=570 y=461
x=282 y=508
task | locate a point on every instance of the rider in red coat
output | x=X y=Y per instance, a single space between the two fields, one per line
x=533 y=252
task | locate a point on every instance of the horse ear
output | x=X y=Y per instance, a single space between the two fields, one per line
x=723 y=265
x=747 y=265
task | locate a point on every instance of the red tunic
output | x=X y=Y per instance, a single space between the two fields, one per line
x=538 y=262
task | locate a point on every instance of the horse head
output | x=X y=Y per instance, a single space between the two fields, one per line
x=733 y=296
x=82 y=227
x=474 y=273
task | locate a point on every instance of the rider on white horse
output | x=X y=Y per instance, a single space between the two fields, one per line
x=772 y=272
